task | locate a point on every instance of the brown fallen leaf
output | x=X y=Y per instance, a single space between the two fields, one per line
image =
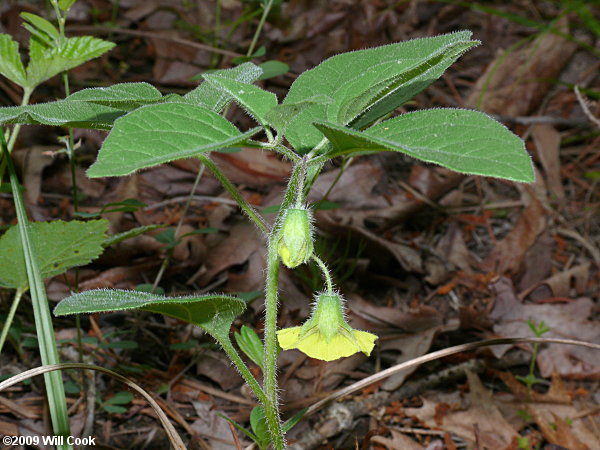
x=398 y=441
x=547 y=142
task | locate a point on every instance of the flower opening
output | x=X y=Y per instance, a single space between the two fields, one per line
x=326 y=335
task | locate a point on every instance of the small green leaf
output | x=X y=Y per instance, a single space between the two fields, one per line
x=258 y=423
x=65 y=5
x=156 y=134
x=216 y=99
x=120 y=398
x=256 y=101
x=113 y=409
x=42 y=25
x=238 y=426
x=71 y=53
x=58 y=246
x=249 y=342
x=11 y=65
x=462 y=140
x=367 y=84
x=273 y=68
x=292 y=421
x=89 y=108
x=213 y=313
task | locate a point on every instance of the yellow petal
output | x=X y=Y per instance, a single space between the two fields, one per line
x=366 y=341
x=316 y=346
x=288 y=337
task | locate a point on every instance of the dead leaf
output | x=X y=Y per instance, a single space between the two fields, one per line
x=253 y=167
x=398 y=441
x=212 y=427
x=547 y=142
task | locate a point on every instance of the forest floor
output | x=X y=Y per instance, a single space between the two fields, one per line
x=426 y=258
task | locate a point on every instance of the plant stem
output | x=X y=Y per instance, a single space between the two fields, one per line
x=188 y=202
x=261 y=23
x=326 y=274
x=246 y=207
x=41 y=311
x=11 y=315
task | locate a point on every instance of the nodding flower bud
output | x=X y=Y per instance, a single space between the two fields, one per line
x=295 y=246
x=326 y=335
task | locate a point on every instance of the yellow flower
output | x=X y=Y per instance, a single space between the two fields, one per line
x=295 y=246
x=327 y=335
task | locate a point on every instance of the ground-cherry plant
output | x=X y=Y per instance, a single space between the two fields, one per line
x=342 y=107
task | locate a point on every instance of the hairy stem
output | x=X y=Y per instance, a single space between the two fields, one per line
x=326 y=274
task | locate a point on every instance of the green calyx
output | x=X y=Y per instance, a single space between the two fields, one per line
x=295 y=246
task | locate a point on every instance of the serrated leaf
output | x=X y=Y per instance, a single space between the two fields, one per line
x=212 y=313
x=94 y=108
x=367 y=84
x=280 y=116
x=57 y=246
x=11 y=65
x=256 y=101
x=462 y=140
x=216 y=99
x=71 y=53
x=156 y=134
x=249 y=342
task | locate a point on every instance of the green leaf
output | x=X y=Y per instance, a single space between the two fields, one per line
x=368 y=84
x=256 y=101
x=216 y=99
x=462 y=140
x=65 y=5
x=156 y=134
x=89 y=108
x=58 y=246
x=11 y=65
x=249 y=342
x=238 y=426
x=273 y=68
x=280 y=116
x=72 y=52
x=113 y=409
x=258 y=423
x=119 y=237
x=212 y=313
x=120 y=398
x=42 y=25
x=292 y=421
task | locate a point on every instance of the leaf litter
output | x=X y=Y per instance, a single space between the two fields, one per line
x=442 y=253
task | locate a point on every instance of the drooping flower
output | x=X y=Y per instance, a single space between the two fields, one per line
x=326 y=335
x=295 y=246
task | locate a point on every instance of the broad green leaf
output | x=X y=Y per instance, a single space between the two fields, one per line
x=462 y=140
x=89 y=108
x=11 y=65
x=212 y=313
x=216 y=99
x=156 y=134
x=72 y=52
x=367 y=84
x=58 y=246
x=249 y=342
x=273 y=68
x=256 y=101
x=281 y=115
x=42 y=25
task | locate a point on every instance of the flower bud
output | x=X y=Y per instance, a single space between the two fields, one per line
x=295 y=245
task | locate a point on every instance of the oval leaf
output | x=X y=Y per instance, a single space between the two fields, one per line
x=462 y=140
x=156 y=134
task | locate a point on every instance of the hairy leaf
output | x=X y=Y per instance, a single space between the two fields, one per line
x=156 y=134
x=216 y=99
x=367 y=84
x=462 y=140
x=213 y=313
